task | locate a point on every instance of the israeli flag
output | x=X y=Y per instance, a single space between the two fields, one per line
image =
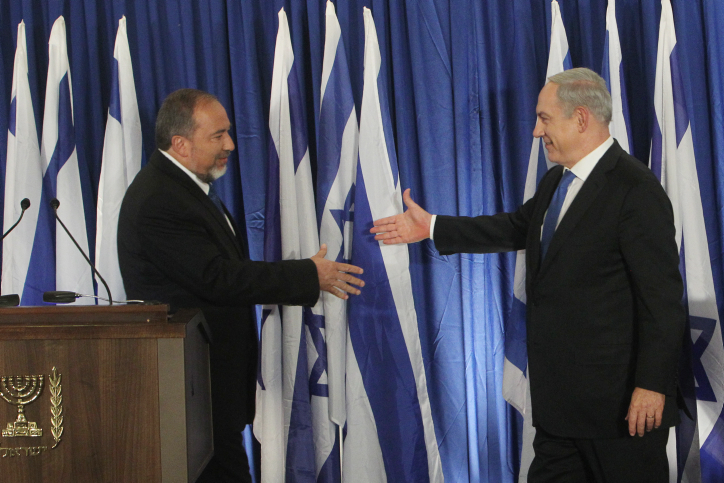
x=122 y=152
x=23 y=177
x=515 y=381
x=390 y=432
x=304 y=448
x=55 y=261
x=697 y=449
x=336 y=172
x=612 y=73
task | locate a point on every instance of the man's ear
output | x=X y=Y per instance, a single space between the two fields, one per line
x=181 y=145
x=582 y=116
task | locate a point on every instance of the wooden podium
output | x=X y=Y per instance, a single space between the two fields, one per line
x=103 y=394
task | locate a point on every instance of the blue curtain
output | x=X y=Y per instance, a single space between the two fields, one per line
x=462 y=79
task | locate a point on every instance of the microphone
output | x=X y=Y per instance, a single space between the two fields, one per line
x=25 y=204
x=54 y=203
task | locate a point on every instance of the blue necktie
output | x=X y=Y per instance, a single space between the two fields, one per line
x=214 y=197
x=554 y=211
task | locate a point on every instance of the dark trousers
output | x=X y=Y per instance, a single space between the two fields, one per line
x=229 y=463
x=620 y=460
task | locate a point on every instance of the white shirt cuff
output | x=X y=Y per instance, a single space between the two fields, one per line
x=432 y=226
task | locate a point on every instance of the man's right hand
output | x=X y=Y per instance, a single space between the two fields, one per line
x=408 y=227
x=333 y=276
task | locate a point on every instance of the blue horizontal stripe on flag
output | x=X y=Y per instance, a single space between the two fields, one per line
x=11 y=121
x=681 y=115
x=300 y=445
x=336 y=108
x=515 y=336
x=296 y=115
x=114 y=109
x=657 y=146
x=381 y=353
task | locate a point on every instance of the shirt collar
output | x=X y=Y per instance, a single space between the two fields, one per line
x=584 y=167
x=204 y=186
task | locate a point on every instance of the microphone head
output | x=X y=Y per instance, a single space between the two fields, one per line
x=54 y=203
x=25 y=204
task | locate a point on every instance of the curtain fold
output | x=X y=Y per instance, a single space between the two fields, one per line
x=463 y=79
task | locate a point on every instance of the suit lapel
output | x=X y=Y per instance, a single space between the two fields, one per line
x=588 y=193
x=210 y=209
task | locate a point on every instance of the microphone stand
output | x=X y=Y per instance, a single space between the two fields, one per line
x=54 y=203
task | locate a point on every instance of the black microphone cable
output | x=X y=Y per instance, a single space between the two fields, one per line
x=54 y=203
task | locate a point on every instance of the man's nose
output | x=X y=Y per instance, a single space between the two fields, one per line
x=538 y=130
x=228 y=143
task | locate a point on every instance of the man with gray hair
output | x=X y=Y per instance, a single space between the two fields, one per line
x=178 y=244
x=604 y=314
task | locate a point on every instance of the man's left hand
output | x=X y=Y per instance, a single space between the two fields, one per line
x=645 y=411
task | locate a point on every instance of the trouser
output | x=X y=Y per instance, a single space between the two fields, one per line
x=619 y=460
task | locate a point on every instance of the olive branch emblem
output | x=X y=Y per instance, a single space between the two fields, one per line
x=56 y=406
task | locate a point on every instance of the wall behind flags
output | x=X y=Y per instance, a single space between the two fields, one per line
x=463 y=78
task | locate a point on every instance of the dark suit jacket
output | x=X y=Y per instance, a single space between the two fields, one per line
x=604 y=311
x=175 y=246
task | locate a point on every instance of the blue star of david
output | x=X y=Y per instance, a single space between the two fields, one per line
x=704 y=391
x=315 y=324
x=342 y=216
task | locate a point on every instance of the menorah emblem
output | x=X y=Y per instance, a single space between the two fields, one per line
x=21 y=391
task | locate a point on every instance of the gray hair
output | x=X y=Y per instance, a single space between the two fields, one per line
x=582 y=87
x=176 y=116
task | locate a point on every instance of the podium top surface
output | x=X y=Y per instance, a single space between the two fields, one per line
x=93 y=322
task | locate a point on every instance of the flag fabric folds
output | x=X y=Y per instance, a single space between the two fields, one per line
x=23 y=177
x=63 y=268
x=122 y=152
x=390 y=434
x=699 y=443
x=515 y=381
x=336 y=172
x=612 y=73
x=298 y=438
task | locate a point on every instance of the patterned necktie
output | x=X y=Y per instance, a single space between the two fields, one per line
x=554 y=211
x=214 y=197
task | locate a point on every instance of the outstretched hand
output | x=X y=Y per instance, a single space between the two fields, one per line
x=408 y=227
x=333 y=277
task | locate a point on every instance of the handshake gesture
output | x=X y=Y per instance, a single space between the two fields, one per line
x=409 y=227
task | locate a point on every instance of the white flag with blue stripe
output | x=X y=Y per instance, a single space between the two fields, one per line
x=390 y=432
x=336 y=172
x=65 y=269
x=612 y=73
x=23 y=175
x=122 y=148
x=304 y=451
x=515 y=381
x=695 y=454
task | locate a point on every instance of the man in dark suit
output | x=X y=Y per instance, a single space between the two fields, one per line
x=177 y=244
x=604 y=317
